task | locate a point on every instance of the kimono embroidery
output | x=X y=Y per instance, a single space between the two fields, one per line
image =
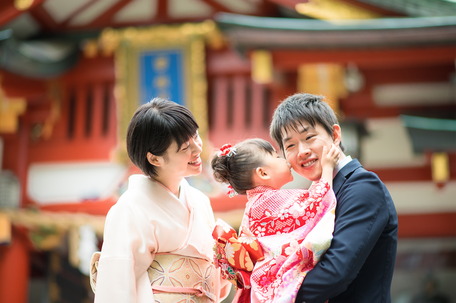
x=294 y=229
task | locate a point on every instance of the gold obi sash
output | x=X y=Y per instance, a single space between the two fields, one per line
x=176 y=279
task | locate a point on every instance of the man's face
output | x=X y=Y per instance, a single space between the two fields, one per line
x=303 y=148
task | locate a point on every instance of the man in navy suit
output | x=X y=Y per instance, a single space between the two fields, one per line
x=359 y=265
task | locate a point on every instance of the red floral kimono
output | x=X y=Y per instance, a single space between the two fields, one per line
x=293 y=228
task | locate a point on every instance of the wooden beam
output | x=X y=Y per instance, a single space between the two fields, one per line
x=162 y=10
x=408 y=74
x=13 y=86
x=84 y=7
x=88 y=70
x=378 y=58
x=288 y=3
x=105 y=19
x=218 y=7
x=379 y=10
x=47 y=22
x=413 y=174
x=362 y=112
x=428 y=225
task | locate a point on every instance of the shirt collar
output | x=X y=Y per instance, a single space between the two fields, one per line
x=341 y=164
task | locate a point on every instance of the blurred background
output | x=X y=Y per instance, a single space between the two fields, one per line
x=73 y=72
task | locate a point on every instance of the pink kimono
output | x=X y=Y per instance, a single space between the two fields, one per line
x=158 y=248
x=293 y=227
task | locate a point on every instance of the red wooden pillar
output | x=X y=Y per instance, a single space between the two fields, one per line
x=257 y=107
x=15 y=269
x=220 y=104
x=239 y=86
x=23 y=161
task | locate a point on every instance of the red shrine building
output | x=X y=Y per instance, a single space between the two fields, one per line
x=73 y=73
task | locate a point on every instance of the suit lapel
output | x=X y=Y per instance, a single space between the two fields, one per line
x=344 y=173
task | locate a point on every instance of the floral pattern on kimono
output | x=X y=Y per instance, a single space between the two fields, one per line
x=294 y=229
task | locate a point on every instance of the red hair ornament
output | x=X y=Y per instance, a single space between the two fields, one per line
x=227 y=150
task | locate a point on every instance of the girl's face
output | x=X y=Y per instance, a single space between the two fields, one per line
x=279 y=170
x=182 y=161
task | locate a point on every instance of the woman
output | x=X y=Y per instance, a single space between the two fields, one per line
x=157 y=238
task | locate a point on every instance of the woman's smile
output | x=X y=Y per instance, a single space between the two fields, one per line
x=196 y=162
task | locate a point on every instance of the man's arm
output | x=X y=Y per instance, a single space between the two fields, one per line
x=361 y=216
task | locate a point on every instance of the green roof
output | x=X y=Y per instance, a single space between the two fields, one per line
x=227 y=21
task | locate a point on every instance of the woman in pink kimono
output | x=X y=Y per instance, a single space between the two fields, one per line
x=157 y=239
x=292 y=227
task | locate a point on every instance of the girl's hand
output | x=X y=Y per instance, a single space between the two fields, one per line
x=330 y=159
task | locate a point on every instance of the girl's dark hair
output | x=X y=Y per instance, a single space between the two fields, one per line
x=302 y=107
x=237 y=169
x=154 y=127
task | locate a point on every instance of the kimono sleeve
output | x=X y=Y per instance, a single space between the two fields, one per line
x=125 y=257
x=319 y=189
x=316 y=192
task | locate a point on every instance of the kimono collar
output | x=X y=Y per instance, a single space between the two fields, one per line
x=251 y=193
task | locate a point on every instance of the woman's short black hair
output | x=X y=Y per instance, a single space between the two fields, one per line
x=154 y=127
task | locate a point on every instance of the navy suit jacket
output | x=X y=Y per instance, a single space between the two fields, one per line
x=359 y=265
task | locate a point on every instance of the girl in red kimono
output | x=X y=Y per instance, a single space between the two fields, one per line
x=283 y=232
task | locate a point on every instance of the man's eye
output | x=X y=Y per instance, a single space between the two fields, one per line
x=289 y=146
x=310 y=137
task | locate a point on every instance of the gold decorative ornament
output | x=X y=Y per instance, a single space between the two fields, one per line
x=10 y=110
x=22 y=5
x=440 y=167
x=334 y=10
x=262 y=67
x=325 y=79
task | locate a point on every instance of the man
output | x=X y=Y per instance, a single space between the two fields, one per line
x=359 y=265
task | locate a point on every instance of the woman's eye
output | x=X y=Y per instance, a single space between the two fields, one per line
x=196 y=136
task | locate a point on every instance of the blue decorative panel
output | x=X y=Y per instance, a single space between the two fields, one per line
x=162 y=74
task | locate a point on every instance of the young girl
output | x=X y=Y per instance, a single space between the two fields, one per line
x=157 y=244
x=294 y=227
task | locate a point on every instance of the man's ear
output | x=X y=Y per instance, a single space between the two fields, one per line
x=337 y=134
x=154 y=160
x=261 y=173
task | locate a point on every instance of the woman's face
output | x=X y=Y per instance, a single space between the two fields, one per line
x=183 y=161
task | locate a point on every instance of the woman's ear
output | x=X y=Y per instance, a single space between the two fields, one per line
x=337 y=134
x=152 y=159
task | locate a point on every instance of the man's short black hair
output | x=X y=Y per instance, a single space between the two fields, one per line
x=298 y=108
